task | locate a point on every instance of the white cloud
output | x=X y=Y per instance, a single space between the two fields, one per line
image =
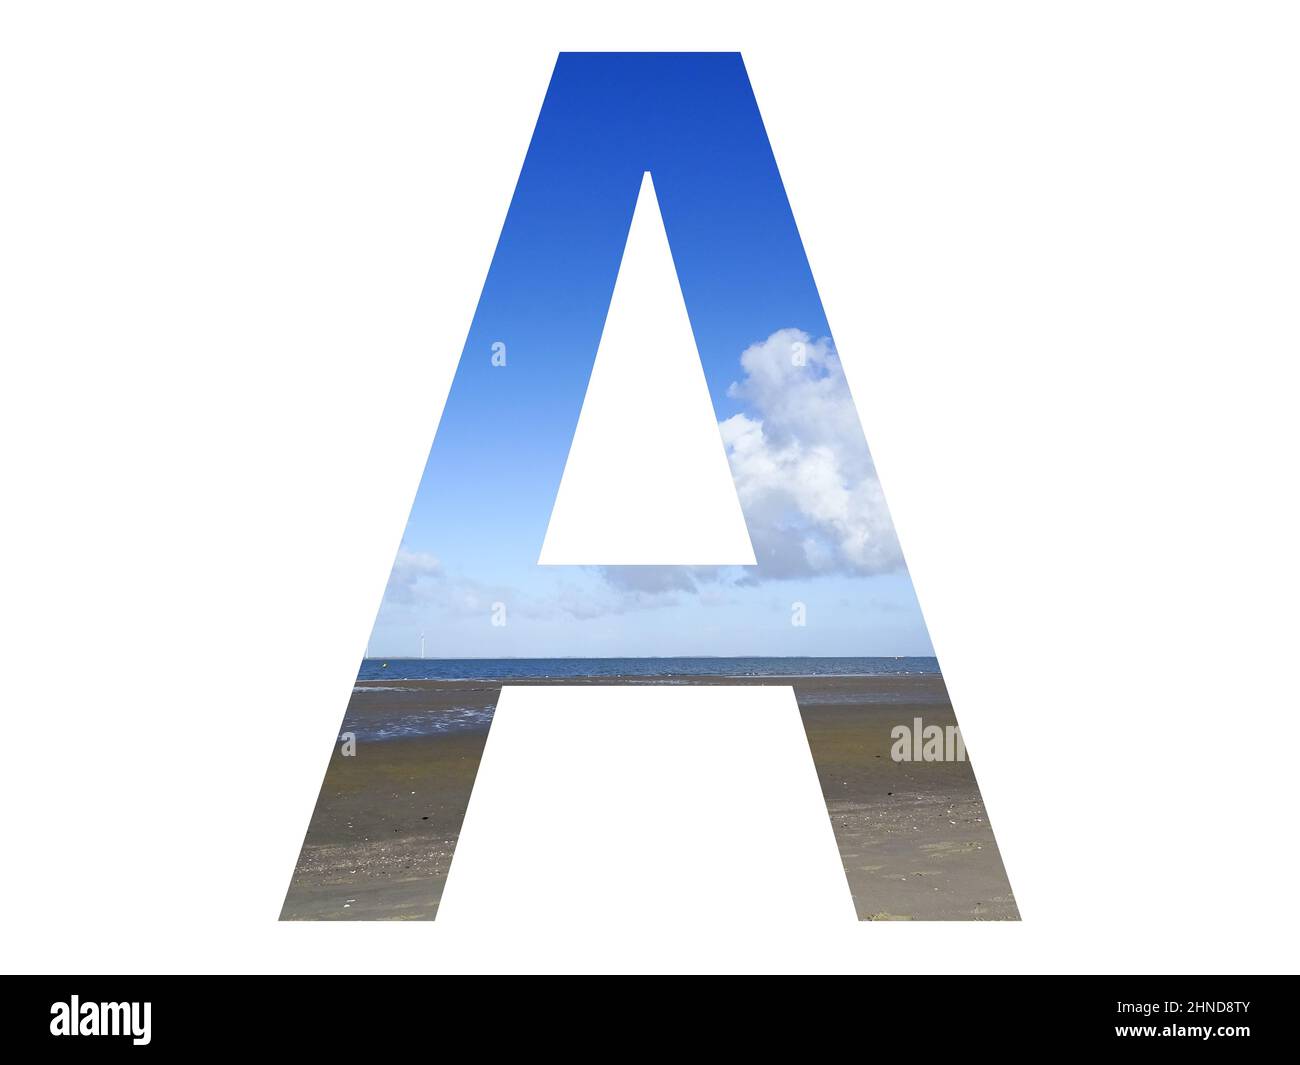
x=625 y=589
x=414 y=572
x=805 y=477
x=419 y=586
x=806 y=483
x=419 y=582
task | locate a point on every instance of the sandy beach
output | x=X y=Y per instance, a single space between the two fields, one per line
x=914 y=836
x=384 y=827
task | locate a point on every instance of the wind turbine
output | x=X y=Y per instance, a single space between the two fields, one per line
x=421 y=645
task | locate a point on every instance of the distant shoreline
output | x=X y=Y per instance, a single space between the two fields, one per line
x=628 y=670
x=644 y=678
x=653 y=658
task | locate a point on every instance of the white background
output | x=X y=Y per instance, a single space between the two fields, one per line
x=241 y=245
x=660 y=806
x=637 y=489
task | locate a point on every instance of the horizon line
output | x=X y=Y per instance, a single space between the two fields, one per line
x=605 y=658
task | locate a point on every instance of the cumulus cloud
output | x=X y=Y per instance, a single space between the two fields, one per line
x=807 y=485
x=805 y=477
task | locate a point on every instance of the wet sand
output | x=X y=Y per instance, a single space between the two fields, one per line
x=387 y=819
x=914 y=837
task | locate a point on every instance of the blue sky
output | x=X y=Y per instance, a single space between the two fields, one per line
x=481 y=512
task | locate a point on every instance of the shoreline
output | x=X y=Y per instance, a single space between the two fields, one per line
x=651 y=678
x=914 y=837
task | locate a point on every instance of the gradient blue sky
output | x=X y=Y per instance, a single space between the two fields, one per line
x=486 y=496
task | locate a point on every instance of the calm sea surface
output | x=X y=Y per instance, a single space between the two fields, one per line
x=519 y=668
x=386 y=709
